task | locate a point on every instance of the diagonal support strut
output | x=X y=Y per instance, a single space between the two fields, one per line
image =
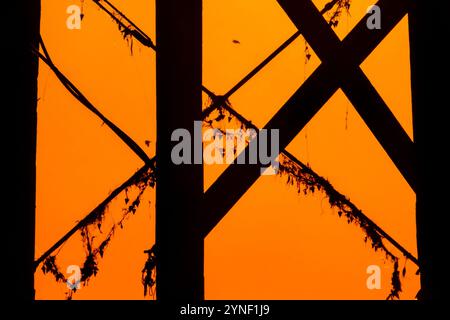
x=366 y=100
x=298 y=111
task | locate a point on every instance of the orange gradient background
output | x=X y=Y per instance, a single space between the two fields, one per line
x=274 y=243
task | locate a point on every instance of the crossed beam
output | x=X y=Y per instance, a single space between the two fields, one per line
x=339 y=69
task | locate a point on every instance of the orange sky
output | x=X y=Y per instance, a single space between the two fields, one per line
x=273 y=244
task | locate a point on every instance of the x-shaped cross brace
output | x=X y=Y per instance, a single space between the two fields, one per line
x=339 y=69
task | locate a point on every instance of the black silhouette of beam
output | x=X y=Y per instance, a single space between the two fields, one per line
x=366 y=100
x=299 y=110
x=20 y=115
x=180 y=187
x=429 y=25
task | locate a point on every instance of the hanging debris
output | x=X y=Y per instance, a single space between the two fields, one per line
x=149 y=272
x=306 y=181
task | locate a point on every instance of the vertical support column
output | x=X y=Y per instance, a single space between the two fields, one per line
x=20 y=114
x=428 y=34
x=180 y=187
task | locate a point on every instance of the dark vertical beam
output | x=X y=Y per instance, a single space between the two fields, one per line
x=429 y=59
x=180 y=187
x=19 y=112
